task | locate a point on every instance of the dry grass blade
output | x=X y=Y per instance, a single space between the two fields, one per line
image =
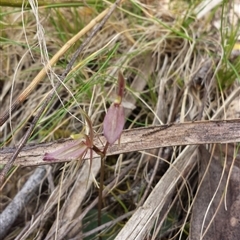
x=181 y=64
x=10 y=214
x=214 y=214
x=43 y=73
x=78 y=193
x=52 y=93
x=143 y=219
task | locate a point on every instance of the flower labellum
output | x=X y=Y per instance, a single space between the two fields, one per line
x=114 y=120
x=113 y=123
x=71 y=151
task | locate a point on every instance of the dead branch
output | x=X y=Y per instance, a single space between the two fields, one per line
x=140 y=139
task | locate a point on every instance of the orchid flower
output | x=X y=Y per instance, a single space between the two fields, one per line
x=112 y=127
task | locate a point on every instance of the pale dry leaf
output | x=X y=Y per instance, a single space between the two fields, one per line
x=211 y=219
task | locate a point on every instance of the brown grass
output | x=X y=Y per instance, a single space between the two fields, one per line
x=175 y=66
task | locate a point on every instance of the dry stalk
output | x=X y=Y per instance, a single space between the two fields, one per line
x=52 y=93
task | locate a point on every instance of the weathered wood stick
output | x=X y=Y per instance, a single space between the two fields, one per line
x=140 y=139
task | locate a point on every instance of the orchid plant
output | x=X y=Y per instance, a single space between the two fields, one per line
x=113 y=124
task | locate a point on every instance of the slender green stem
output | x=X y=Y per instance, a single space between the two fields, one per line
x=100 y=196
x=105 y=149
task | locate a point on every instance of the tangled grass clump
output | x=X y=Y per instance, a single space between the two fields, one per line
x=179 y=67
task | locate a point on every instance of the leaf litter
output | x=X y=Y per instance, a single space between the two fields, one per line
x=172 y=75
